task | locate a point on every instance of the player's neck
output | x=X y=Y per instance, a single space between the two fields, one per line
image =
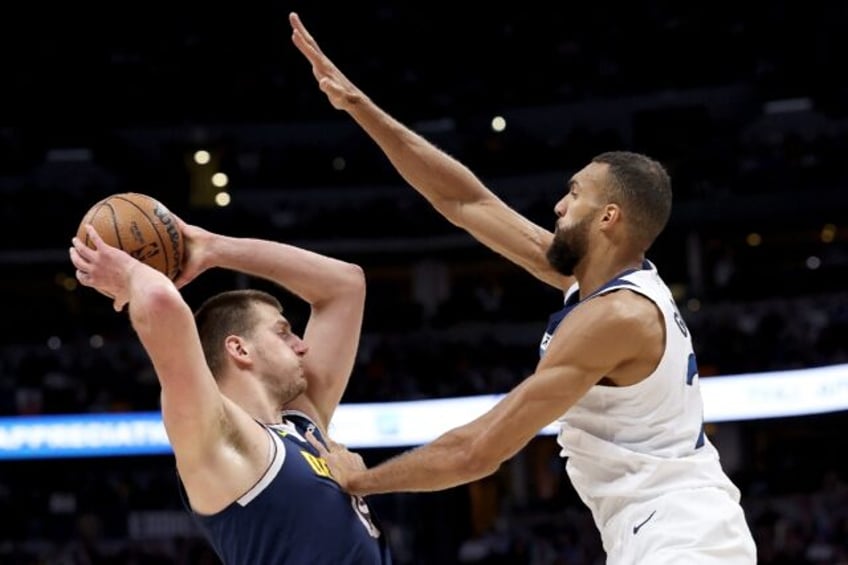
x=595 y=271
x=253 y=399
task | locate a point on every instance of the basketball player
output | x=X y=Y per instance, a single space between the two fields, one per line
x=240 y=390
x=617 y=368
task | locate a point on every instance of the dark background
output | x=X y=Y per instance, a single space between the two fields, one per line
x=745 y=104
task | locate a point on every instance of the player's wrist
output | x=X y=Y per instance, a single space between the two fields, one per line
x=357 y=482
x=140 y=276
x=210 y=249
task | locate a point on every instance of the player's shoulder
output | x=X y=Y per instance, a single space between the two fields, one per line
x=615 y=325
x=620 y=314
x=622 y=304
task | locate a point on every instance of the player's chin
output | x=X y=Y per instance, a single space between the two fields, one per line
x=299 y=389
x=295 y=389
x=300 y=382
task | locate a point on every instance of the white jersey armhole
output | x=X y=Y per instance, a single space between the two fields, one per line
x=276 y=457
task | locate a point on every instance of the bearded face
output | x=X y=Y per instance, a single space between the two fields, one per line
x=569 y=246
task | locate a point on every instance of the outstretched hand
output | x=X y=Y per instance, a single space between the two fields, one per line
x=104 y=268
x=342 y=93
x=343 y=464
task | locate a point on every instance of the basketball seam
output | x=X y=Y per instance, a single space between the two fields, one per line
x=88 y=218
x=162 y=241
x=115 y=225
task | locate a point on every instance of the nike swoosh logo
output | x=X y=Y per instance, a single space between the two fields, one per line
x=638 y=527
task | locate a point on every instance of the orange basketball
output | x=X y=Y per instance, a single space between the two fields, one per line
x=140 y=225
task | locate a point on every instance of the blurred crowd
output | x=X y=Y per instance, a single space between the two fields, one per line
x=482 y=351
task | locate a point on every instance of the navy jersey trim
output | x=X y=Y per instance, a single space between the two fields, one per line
x=304 y=424
x=572 y=300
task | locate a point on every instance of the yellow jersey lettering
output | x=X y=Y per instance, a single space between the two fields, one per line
x=318 y=464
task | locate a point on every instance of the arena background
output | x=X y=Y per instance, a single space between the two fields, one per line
x=746 y=105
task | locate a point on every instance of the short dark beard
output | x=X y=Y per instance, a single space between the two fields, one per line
x=568 y=248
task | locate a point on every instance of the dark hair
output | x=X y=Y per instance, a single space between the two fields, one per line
x=225 y=314
x=642 y=188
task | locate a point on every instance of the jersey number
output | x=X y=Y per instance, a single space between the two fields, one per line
x=691 y=373
x=691 y=369
x=360 y=507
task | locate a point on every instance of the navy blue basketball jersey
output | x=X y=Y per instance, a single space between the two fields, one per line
x=296 y=514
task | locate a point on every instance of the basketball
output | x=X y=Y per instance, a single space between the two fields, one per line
x=140 y=225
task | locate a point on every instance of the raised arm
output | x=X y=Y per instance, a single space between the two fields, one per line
x=192 y=406
x=334 y=289
x=603 y=337
x=219 y=449
x=446 y=183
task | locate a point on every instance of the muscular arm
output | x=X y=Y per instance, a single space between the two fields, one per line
x=447 y=184
x=220 y=451
x=457 y=194
x=192 y=406
x=334 y=289
x=600 y=338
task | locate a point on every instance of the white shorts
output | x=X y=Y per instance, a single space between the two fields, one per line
x=694 y=527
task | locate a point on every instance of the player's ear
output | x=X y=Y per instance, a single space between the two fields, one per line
x=611 y=214
x=238 y=351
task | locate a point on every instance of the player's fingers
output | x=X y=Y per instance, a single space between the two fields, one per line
x=83 y=277
x=82 y=250
x=185 y=228
x=303 y=46
x=299 y=28
x=294 y=21
x=327 y=86
x=310 y=437
x=304 y=40
x=94 y=237
x=78 y=260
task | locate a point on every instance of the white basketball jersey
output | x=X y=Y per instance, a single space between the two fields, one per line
x=629 y=444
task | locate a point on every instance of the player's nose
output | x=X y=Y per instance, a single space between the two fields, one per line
x=301 y=347
x=561 y=207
